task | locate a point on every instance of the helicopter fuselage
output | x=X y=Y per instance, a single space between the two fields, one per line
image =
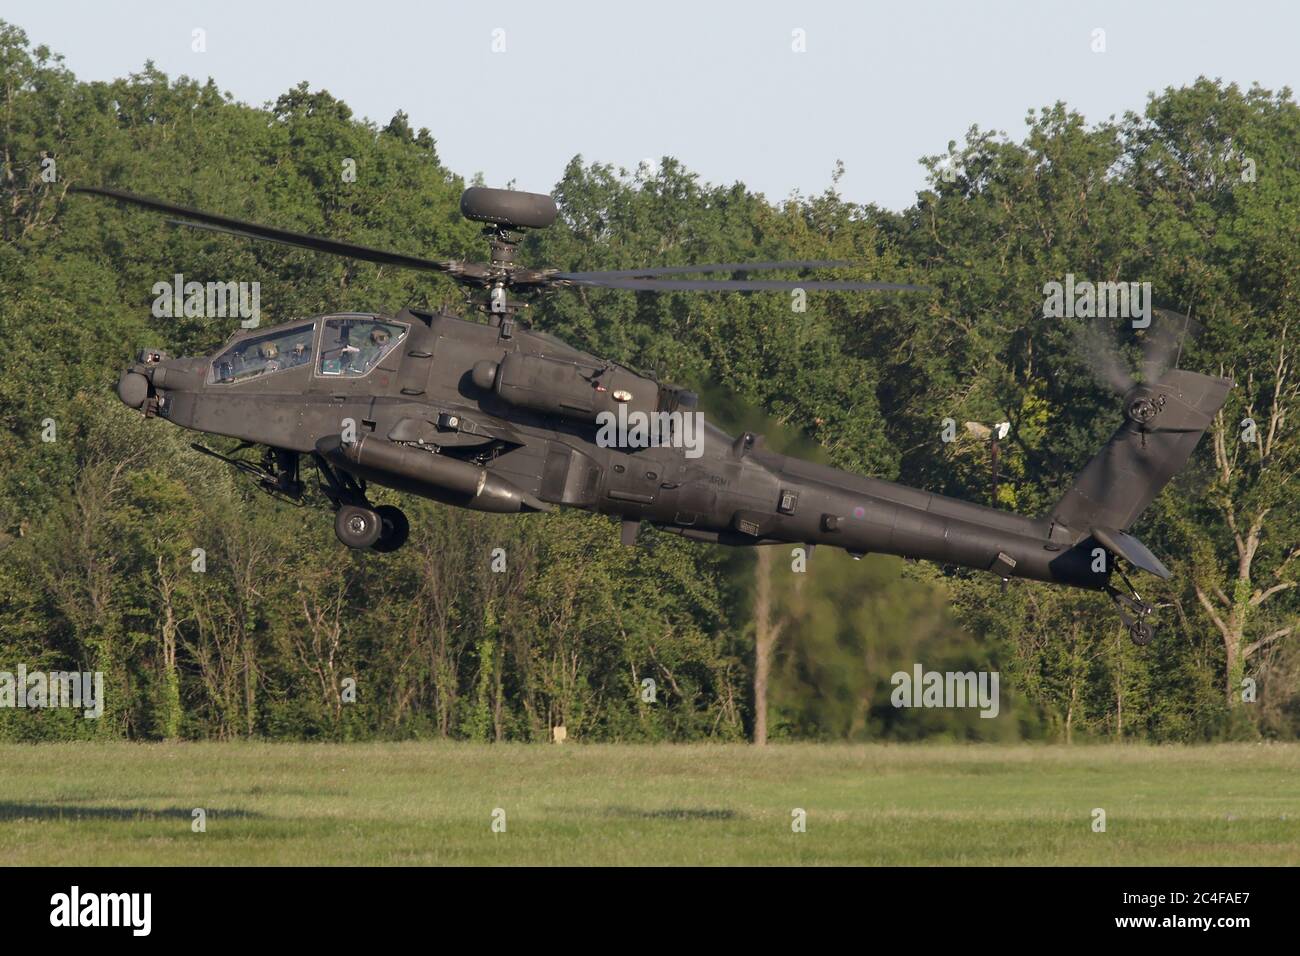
x=497 y=418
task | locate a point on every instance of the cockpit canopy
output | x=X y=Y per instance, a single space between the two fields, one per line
x=342 y=346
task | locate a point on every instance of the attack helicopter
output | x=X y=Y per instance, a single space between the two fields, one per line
x=500 y=417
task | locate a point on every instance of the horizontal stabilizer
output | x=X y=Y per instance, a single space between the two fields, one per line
x=1131 y=550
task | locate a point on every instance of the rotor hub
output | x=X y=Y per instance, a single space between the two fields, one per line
x=1144 y=410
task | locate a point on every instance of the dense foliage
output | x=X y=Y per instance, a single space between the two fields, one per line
x=1199 y=195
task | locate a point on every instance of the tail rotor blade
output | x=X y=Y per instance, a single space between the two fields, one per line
x=1163 y=344
x=1098 y=354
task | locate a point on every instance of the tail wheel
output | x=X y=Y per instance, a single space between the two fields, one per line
x=394 y=529
x=356 y=527
x=1141 y=633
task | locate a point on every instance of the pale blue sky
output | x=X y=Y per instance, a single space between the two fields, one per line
x=715 y=84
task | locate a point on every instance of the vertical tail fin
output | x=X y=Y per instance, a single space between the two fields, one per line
x=1163 y=423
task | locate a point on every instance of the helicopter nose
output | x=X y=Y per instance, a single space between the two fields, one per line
x=133 y=389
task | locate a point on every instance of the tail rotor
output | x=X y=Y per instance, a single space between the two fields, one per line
x=1161 y=345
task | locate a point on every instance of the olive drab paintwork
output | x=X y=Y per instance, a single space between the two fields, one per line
x=498 y=417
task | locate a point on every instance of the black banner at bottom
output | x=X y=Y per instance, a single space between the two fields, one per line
x=334 y=905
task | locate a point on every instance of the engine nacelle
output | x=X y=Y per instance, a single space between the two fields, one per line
x=580 y=392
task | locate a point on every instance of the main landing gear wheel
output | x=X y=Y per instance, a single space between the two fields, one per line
x=357 y=527
x=394 y=529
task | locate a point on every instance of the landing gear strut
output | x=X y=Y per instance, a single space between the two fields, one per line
x=1133 y=611
x=357 y=523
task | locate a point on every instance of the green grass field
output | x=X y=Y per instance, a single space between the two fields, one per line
x=427 y=803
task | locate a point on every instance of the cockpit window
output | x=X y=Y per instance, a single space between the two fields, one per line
x=353 y=346
x=275 y=351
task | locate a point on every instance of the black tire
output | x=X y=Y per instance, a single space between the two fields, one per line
x=394 y=529
x=1141 y=633
x=358 y=528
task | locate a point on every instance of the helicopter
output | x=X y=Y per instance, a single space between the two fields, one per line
x=500 y=417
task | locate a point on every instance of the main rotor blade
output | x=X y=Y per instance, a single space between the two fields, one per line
x=738 y=285
x=253 y=230
x=710 y=267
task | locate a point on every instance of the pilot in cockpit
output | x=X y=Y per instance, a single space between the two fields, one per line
x=374 y=347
